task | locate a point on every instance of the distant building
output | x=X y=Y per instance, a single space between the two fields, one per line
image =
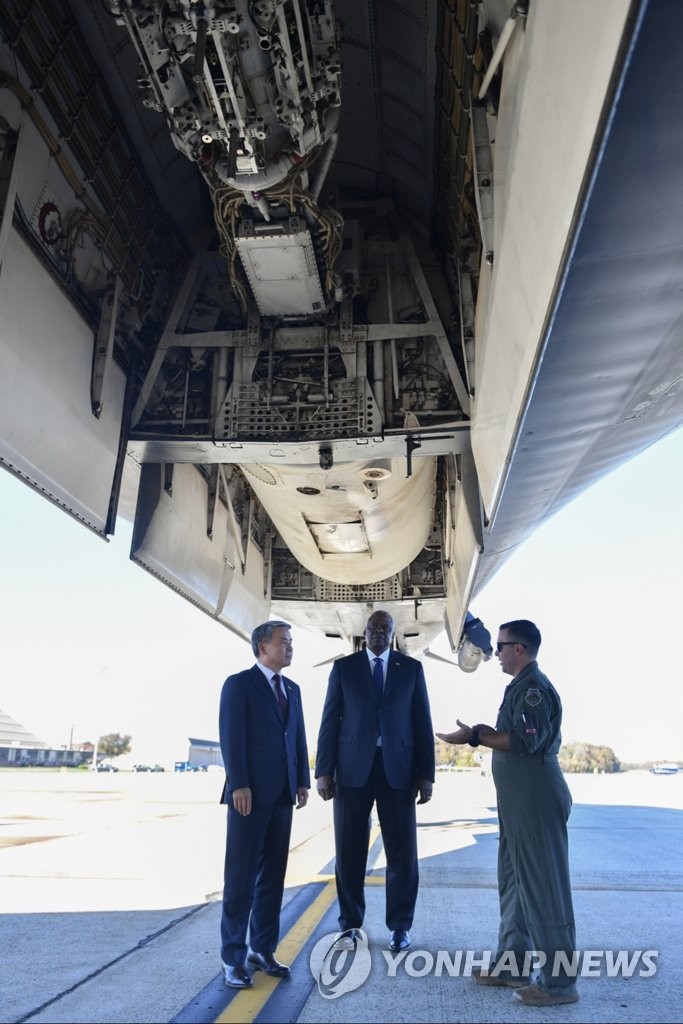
x=205 y=752
x=20 y=748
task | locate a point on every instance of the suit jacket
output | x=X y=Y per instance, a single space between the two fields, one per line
x=259 y=750
x=352 y=720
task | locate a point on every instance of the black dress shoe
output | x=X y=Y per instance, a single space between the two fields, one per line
x=237 y=976
x=267 y=963
x=347 y=939
x=399 y=940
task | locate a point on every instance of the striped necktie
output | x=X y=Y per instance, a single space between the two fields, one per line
x=281 y=699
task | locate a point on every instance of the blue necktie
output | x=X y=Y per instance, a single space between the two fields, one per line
x=378 y=678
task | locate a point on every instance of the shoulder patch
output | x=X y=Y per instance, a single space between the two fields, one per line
x=532 y=697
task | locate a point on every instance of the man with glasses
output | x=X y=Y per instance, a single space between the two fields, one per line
x=534 y=802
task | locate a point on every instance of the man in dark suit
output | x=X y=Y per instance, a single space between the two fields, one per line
x=263 y=742
x=376 y=745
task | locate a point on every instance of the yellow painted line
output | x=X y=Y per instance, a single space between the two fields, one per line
x=246 y=1004
x=369 y=879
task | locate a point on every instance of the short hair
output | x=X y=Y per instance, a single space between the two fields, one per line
x=525 y=632
x=263 y=633
x=382 y=611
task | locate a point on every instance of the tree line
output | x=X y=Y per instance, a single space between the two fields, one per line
x=573 y=757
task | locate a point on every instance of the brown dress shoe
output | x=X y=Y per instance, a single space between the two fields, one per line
x=534 y=995
x=503 y=980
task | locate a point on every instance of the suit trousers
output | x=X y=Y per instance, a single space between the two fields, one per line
x=256 y=854
x=396 y=813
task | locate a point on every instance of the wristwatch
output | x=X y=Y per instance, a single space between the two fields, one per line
x=474 y=740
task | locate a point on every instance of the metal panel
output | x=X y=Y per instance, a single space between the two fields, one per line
x=609 y=383
x=340 y=538
x=387 y=117
x=462 y=565
x=246 y=604
x=171 y=542
x=48 y=434
x=282 y=272
x=544 y=159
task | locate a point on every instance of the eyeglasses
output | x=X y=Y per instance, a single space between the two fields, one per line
x=508 y=643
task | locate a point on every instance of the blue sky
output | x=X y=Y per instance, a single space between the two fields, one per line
x=93 y=644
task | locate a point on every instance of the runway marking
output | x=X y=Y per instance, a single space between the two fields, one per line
x=245 y=1005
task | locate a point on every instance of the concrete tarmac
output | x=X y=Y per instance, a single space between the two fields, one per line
x=110 y=905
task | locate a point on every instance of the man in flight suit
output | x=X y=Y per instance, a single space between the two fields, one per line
x=534 y=802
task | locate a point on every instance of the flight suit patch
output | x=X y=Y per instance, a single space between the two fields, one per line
x=532 y=697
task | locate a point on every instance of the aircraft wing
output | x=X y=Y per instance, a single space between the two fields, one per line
x=337 y=302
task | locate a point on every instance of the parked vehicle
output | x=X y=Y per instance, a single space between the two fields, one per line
x=664 y=768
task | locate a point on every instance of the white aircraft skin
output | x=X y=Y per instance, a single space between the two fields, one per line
x=337 y=301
